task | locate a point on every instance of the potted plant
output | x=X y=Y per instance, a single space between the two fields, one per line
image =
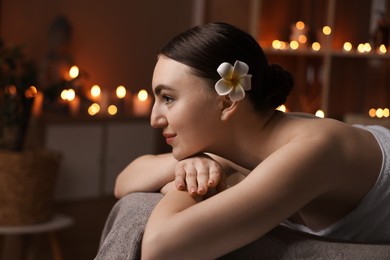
x=27 y=177
x=18 y=78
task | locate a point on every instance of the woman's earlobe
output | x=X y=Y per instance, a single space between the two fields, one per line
x=228 y=108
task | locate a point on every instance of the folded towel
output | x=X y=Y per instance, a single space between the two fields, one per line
x=122 y=236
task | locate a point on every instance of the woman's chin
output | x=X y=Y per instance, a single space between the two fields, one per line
x=181 y=155
x=178 y=156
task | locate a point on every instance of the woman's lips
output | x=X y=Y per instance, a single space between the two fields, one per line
x=169 y=138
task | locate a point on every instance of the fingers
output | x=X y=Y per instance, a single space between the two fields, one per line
x=202 y=180
x=186 y=179
x=197 y=175
x=191 y=180
x=180 y=176
x=215 y=174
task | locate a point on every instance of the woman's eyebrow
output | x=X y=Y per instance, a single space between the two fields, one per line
x=159 y=88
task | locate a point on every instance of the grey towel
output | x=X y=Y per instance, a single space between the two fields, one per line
x=122 y=236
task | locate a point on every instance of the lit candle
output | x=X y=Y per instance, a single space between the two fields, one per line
x=95 y=92
x=298 y=34
x=382 y=49
x=282 y=108
x=379 y=112
x=323 y=37
x=119 y=102
x=104 y=101
x=112 y=110
x=93 y=109
x=360 y=48
x=347 y=47
x=386 y=112
x=316 y=46
x=74 y=72
x=37 y=105
x=74 y=106
x=372 y=112
x=294 y=45
x=320 y=113
x=142 y=103
x=326 y=30
x=367 y=47
x=276 y=44
x=120 y=92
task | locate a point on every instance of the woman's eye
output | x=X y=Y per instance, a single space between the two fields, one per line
x=167 y=99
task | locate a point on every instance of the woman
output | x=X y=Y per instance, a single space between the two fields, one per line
x=215 y=100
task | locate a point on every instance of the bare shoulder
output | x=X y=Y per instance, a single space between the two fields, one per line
x=326 y=150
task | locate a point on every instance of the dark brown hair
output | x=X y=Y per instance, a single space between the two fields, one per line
x=205 y=47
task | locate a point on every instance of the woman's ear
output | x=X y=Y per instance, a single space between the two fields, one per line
x=228 y=107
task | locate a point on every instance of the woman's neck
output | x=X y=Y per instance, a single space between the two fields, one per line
x=252 y=137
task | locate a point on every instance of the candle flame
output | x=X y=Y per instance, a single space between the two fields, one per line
x=326 y=30
x=120 y=91
x=112 y=110
x=372 y=112
x=74 y=72
x=31 y=92
x=379 y=112
x=316 y=46
x=142 y=95
x=300 y=25
x=367 y=47
x=361 y=48
x=320 y=113
x=276 y=44
x=93 y=109
x=95 y=91
x=302 y=38
x=347 y=46
x=294 y=45
x=382 y=49
x=282 y=108
x=68 y=94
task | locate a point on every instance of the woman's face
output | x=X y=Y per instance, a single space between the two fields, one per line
x=185 y=107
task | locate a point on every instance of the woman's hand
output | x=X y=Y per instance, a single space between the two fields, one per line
x=168 y=187
x=198 y=174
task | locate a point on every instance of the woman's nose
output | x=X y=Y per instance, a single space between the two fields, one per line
x=157 y=119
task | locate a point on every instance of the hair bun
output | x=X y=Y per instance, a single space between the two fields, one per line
x=279 y=83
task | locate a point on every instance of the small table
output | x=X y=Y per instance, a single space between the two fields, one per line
x=50 y=227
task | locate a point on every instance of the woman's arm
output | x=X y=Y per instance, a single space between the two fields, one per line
x=151 y=173
x=148 y=173
x=179 y=227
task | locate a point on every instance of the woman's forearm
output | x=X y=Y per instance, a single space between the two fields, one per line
x=147 y=173
x=173 y=202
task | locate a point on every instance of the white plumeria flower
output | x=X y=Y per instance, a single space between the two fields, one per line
x=235 y=80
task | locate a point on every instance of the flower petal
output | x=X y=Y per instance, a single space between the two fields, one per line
x=240 y=68
x=223 y=87
x=225 y=70
x=245 y=81
x=237 y=93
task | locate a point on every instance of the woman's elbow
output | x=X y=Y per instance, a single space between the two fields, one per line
x=151 y=247
x=158 y=244
x=118 y=192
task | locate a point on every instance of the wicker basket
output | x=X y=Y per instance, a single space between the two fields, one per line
x=27 y=185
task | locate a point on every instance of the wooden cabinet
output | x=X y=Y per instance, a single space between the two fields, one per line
x=332 y=79
x=96 y=151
